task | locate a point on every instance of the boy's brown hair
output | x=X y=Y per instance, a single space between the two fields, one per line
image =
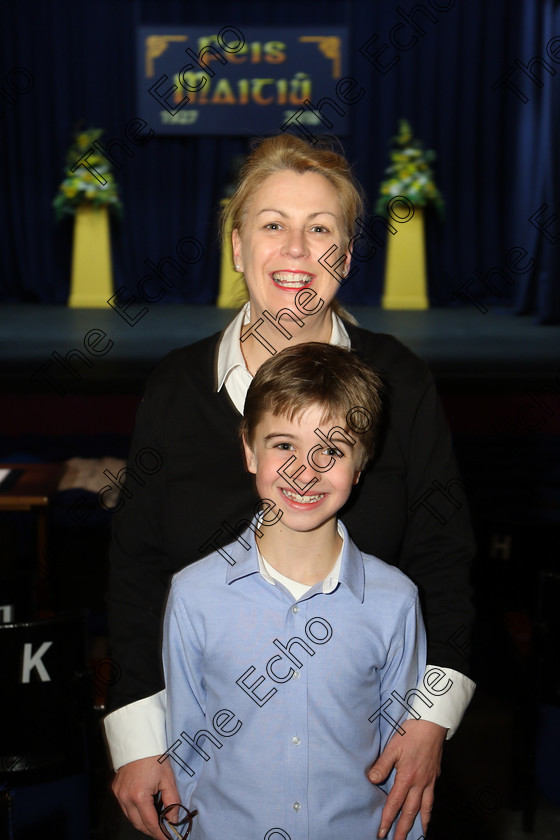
x=317 y=374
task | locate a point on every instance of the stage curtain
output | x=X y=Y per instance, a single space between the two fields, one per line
x=81 y=56
x=538 y=163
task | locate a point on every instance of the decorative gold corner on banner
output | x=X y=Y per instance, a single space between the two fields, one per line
x=330 y=46
x=92 y=280
x=405 y=268
x=156 y=45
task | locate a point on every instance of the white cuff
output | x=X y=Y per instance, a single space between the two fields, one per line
x=442 y=697
x=137 y=730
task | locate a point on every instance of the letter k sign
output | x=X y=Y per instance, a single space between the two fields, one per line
x=34 y=660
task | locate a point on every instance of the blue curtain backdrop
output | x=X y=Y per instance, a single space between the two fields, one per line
x=494 y=164
x=538 y=161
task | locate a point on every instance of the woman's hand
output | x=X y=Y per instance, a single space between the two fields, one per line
x=135 y=785
x=416 y=755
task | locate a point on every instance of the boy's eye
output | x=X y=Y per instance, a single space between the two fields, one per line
x=284 y=446
x=332 y=451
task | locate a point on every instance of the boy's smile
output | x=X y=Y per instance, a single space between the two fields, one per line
x=306 y=478
x=297 y=500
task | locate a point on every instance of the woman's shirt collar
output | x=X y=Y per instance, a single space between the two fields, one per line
x=232 y=370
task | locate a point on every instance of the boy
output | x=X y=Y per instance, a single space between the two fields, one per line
x=288 y=655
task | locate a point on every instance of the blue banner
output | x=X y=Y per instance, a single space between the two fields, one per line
x=194 y=80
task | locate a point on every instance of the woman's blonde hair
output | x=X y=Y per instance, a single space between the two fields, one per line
x=285 y=152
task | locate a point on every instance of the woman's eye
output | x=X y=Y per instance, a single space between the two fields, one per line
x=319 y=229
x=272 y=226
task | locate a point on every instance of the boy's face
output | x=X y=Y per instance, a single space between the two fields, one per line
x=336 y=467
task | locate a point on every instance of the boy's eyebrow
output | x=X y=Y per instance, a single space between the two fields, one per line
x=340 y=444
x=335 y=428
x=336 y=438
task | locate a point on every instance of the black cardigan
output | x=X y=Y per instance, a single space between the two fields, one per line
x=409 y=508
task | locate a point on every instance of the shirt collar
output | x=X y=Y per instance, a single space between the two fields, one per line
x=329 y=583
x=339 y=335
x=229 y=352
x=351 y=570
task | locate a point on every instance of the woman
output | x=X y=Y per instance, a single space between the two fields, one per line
x=294 y=202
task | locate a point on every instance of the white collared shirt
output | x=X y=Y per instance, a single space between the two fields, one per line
x=232 y=370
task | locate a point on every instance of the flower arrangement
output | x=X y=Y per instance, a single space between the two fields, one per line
x=82 y=186
x=410 y=173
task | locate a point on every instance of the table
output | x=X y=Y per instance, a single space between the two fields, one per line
x=31 y=491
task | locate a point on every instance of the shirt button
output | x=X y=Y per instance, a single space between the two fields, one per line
x=296 y=675
x=297 y=806
x=295 y=610
x=296 y=740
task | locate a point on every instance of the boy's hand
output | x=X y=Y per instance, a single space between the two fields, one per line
x=135 y=785
x=416 y=755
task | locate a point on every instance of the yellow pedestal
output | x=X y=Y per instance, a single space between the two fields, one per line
x=405 y=268
x=92 y=280
x=233 y=291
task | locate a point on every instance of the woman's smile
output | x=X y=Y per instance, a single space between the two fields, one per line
x=292 y=280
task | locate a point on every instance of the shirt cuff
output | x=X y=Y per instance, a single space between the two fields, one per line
x=442 y=697
x=136 y=730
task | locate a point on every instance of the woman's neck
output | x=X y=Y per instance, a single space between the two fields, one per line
x=266 y=337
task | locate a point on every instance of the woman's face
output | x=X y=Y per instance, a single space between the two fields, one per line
x=291 y=222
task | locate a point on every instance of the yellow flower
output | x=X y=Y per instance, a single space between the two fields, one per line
x=70 y=192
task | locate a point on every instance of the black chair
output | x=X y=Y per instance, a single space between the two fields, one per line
x=46 y=700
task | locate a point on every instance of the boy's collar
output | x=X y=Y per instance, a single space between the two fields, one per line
x=330 y=582
x=352 y=573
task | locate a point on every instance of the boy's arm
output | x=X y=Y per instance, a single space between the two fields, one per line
x=412 y=743
x=406 y=660
x=182 y=653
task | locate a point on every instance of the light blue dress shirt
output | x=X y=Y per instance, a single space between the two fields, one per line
x=277 y=708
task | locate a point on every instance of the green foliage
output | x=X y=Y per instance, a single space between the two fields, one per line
x=410 y=174
x=83 y=187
